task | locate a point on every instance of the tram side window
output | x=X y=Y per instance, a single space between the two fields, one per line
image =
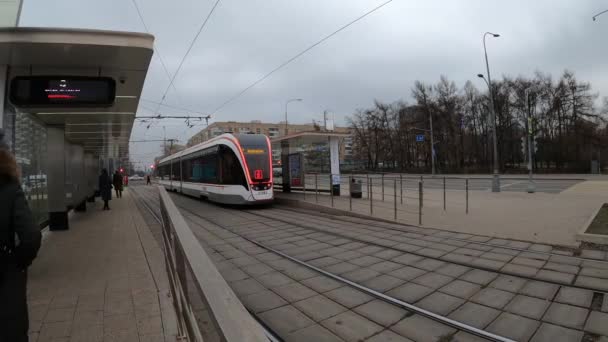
x=208 y=169
x=231 y=170
x=186 y=170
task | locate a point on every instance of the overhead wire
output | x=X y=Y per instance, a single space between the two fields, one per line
x=187 y=53
x=239 y=94
x=157 y=52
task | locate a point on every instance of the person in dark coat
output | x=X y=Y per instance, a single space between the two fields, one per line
x=19 y=243
x=105 y=188
x=117 y=182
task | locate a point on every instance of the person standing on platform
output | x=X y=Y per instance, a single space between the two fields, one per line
x=19 y=243
x=117 y=181
x=105 y=188
x=148 y=180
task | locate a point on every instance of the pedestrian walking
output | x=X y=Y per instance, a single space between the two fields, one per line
x=105 y=188
x=148 y=182
x=19 y=243
x=117 y=182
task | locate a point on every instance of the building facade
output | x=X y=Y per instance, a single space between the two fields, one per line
x=272 y=130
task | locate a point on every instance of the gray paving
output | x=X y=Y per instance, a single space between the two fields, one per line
x=514 y=306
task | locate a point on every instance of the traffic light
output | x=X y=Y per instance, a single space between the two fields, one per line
x=524 y=151
x=534 y=146
x=122 y=170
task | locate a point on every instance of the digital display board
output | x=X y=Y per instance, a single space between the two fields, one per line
x=60 y=91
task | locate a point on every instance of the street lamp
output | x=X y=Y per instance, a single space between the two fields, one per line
x=597 y=15
x=496 y=177
x=286 y=103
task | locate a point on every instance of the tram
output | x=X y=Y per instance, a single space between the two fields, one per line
x=230 y=169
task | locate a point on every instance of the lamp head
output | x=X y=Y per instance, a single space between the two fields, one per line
x=480 y=75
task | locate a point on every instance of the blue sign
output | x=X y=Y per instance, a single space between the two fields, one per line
x=419 y=137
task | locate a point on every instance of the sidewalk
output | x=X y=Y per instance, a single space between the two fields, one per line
x=548 y=218
x=102 y=280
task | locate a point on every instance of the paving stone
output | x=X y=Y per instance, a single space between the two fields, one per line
x=605 y=305
x=120 y=336
x=476 y=315
x=461 y=289
x=285 y=320
x=453 y=270
x=478 y=247
x=497 y=256
x=593 y=254
x=319 y=307
x=433 y=280
x=54 y=330
x=370 y=249
x=479 y=277
x=520 y=270
x=381 y=312
x=443 y=247
x=515 y=327
x=418 y=328
x=540 y=248
x=553 y=333
x=388 y=254
x=493 y=297
x=519 y=244
x=469 y=252
x=566 y=315
x=536 y=256
x=388 y=336
x=594 y=283
x=59 y=315
x=348 y=296
x=119 y=322
x=385 y=266
x=407 y=273
x=440 y=303
x=595 y=264
x=553 y=266
x=597 y=323
x=365 y=261
x=406 y=247
x=431 y=252
x=246 y=287
x=407 y=259
x=558 y=277
x=341 y=268
x=508 y=283
x=315 y=333
x=351 y=326
x=150 y=325
x=508 y=251
x=345 y=256
x=410 y=292
x=486 y=263
x=257 y=269
x=300 y=273
x=528 y=262
x=324 y=261
x=429 y=264
x=294 y=292
x=458 y=258
x=322 y=284
x=263 y=301
x=383 y=283
x=575 y=296
x=527 y=306
x=564 y=259
x=462 y=336
x=361 y=275
x=594 y=272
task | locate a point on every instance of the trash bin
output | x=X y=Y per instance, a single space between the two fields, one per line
x=355 y=189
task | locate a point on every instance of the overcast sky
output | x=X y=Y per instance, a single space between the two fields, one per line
x=379 y=57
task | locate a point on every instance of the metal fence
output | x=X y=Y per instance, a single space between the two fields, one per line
x=188 y=265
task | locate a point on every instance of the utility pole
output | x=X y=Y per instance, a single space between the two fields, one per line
x=432 y=145
x=531 y=185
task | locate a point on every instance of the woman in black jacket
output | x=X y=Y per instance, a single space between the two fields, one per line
x=105 y=188
x=19 y=243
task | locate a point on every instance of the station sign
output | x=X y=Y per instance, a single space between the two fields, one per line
x=60 y=91
x=420 y=138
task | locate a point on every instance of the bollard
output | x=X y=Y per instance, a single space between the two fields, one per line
x=467 y=195
x=371 y=198
x=304 y=184
x=383 y=187
x=401 y=186
x=421 y=195
x=420 y=203
x=395 y=196
x=331 y=191
x=316 y=189
x=367 y=185
x=350 y=193
x=443 y=193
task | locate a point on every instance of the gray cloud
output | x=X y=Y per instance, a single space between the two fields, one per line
x=379 y=57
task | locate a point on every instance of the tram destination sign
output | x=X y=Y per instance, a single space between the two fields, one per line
x=60 y=91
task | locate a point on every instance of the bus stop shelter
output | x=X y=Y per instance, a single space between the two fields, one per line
x=292 y=164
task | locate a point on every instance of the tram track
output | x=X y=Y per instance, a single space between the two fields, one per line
x=254 y=217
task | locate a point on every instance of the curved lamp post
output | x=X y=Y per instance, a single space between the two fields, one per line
x=495 y=176
x=286 y=103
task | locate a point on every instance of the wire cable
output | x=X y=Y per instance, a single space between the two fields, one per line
x=188 y=52
x=239 y=94
x=162 y=62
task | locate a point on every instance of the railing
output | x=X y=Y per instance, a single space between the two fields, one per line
x=188 y=264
